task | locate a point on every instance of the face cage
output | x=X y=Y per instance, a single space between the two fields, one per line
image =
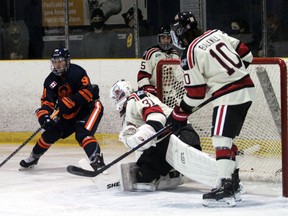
x=119 y=101
x=176 y=41
x=164 y=47
x=62 y=71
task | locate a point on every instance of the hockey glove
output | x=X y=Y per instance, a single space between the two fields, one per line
x=66 y=105
x=151 y=89
x=144 y=132
x=178 y=119
x=46 y=122
x=126 y=133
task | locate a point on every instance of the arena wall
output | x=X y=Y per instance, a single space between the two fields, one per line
x=22 y=84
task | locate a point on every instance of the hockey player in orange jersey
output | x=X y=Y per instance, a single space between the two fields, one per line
x=68 y=89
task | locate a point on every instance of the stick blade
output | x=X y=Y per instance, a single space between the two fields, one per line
x=81 y=172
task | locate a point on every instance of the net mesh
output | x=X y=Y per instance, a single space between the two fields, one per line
x=259 y=141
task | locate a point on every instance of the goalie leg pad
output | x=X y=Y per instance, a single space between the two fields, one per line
x=128 y=180
x=128 y=176
x=191 y=162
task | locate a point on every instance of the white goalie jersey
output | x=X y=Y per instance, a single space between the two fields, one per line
x=145 y=115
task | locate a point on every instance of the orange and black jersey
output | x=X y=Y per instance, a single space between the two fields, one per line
x=74 y=84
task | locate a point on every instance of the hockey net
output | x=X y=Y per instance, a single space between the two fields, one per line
x=263 y=139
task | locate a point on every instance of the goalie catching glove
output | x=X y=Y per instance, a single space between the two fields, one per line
x=132 y=136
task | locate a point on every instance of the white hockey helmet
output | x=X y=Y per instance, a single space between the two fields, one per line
x=119 y=94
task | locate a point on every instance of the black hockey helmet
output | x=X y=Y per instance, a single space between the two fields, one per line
x=60 y=54
x=183 y=24
x=164 y=31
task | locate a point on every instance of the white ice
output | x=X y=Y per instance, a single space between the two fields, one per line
x=48 y=190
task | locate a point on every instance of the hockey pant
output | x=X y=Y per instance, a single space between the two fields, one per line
x=84 y=126
x=152 y=163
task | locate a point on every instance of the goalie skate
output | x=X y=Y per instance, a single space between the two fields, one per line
x=128 y=180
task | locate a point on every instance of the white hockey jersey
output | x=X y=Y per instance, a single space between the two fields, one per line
x=143 y=107
x=216 y=63
x=147 y=73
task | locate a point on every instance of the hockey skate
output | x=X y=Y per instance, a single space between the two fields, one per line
x=238 y=188
x=30 y=162
x=222 y=196
x=97 y=162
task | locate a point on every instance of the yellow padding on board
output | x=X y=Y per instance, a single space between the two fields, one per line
x=21 y=137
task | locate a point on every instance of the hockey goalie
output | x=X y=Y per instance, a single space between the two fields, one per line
x=143 y=116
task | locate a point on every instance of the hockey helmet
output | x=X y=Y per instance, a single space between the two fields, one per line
x=60 y=55
x=119 y=94
x=164 y=31
x=182 y=24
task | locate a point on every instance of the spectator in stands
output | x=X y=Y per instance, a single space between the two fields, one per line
x=240 y=30
x=33 y=20
x=100 y=42
x=276 y=35
x=129 y=21
x=128 y=40
x=15 y=46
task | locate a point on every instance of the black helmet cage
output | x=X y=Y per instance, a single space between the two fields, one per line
x=60 y=53
x=164 y=31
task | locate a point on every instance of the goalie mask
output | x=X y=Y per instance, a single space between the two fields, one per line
x=119 y=94
x=184 y=29
x=60 y=60
x=164 y=38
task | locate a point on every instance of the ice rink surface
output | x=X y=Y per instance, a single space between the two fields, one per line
x=48 y=190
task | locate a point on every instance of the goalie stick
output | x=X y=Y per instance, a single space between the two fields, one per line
x=87 y=173
x=167 y=129
x=53 y=115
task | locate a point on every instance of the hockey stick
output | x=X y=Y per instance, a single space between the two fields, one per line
x=53 y=115
x=87 y=173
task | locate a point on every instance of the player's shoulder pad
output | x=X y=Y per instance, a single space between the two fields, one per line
x=149 y=52
x=76 y=72
x=75 y=67
x=175 y=52
x=51 y=81
x=141 y=94
x=138 y=95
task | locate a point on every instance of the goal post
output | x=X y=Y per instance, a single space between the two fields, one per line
x=263 y=142
x=284 y=119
